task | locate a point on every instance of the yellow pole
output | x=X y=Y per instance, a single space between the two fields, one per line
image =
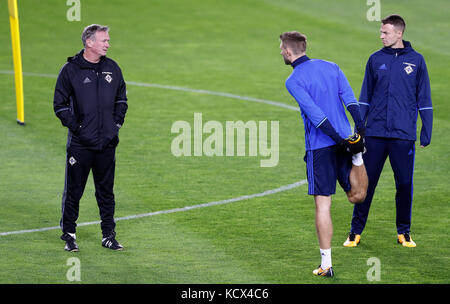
x=17 y=58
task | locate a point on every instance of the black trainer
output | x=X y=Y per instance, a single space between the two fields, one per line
x=71 y=245
x=111 y=242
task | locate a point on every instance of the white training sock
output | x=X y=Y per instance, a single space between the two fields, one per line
x=357 y=159
x=72 y=235
x=326 y=258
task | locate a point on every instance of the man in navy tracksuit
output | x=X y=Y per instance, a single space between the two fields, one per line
x=395 y=90
x=90 y=100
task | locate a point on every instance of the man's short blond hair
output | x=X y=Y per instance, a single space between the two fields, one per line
x=295 y=41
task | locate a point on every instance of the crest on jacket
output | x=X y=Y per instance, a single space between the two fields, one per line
x=409 y=67
x=108 y=77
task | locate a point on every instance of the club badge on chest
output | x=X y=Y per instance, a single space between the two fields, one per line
x=409 y=67
x=108 y=76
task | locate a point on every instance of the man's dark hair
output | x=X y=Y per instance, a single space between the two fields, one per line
x=90 y=30
x=295 y=41
x=396 y=21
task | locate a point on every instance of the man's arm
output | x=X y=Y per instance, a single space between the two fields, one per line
x=355 y=112
x=349 y=100
x=306 y=103
x=311 y=110
x=120 y=106
x=366 y=94
x=61 y=101
x=424 y=105
x=318 y=118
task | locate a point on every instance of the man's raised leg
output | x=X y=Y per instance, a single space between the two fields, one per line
x=358 y=180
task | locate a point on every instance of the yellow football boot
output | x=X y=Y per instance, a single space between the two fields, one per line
x=406 y=240
x=352 y=240
x=324 y=273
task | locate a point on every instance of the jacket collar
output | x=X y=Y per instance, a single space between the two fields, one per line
x=83 y=63
x=406 y=49
x=299 y=61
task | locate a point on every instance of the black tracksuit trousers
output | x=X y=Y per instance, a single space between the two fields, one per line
x=79 y=163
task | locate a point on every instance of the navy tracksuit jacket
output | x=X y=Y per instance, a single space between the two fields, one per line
x=90 y=100
x=395 y=90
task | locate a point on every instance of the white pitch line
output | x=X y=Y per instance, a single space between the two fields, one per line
x=183 y=209
x=227 y=201
x=176 y=88
x=222 y=94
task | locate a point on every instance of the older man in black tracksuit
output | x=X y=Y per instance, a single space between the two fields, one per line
x=90 y=100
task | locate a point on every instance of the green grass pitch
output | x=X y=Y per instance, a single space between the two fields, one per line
x=226 y=46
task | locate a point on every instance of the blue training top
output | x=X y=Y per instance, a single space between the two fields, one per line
x=320 y=87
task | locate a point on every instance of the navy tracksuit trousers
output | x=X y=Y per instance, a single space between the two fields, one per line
x=401 y=156
x=79 y=163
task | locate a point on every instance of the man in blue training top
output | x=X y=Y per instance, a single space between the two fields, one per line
x=395 y=88
x=320 y=89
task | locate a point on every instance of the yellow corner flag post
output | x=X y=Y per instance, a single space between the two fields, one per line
x=15 y=40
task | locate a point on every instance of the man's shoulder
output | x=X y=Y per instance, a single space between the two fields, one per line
x=377 y=54
x=290 y=81
x=302 y=73
x=321 y=66
x=416 y=54
x=67 y=68
x=377 y=58
x=64 y=67
x=322 y=62
x=296 y=80
x=110 y=62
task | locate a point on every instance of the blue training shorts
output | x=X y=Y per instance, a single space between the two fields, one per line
x=326 y=166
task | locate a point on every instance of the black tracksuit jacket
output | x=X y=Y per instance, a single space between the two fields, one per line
x=90 y=99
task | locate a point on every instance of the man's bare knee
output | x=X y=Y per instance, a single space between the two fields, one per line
x=359 y=183
x=356 y=197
